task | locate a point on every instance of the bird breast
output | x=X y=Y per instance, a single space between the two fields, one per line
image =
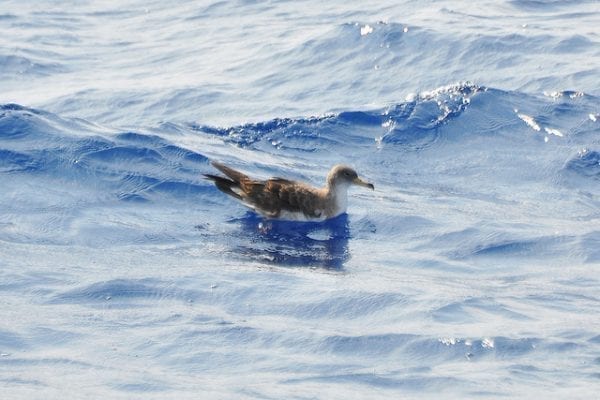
x=339 y=195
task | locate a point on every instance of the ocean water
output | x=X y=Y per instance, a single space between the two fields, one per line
x=472 y=271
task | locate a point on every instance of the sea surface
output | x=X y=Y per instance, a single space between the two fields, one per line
x=471 y=271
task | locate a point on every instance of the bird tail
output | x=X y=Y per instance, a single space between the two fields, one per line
x=225 y=185
x=234 y=175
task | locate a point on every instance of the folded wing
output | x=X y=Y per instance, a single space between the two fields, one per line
x=269 y=197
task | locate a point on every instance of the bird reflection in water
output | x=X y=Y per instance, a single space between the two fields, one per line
x=311 y=244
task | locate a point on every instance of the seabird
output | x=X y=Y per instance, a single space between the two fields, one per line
x=284 y=199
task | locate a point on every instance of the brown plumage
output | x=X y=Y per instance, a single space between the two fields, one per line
x=289 y=200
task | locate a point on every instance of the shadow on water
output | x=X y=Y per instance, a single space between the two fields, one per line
x=296 y=244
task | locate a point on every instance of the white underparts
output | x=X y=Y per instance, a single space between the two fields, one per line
x=340 y=197
x=300 y=216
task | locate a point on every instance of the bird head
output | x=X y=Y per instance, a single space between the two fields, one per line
x=344 y=175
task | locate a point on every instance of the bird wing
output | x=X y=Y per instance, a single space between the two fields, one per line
x=276 y=195
x=269 y=197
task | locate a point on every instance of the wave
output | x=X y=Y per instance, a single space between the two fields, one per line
x=124 y=292
x=20 y=66
x=413 y=123
x=139 y=164
x=586 y=163
x=130 y=164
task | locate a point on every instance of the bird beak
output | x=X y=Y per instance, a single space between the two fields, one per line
x=360 y=182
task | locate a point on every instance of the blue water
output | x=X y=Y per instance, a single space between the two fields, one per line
x=472 y=271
